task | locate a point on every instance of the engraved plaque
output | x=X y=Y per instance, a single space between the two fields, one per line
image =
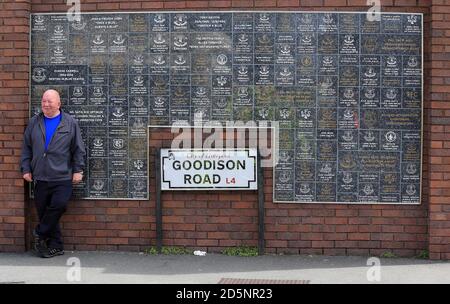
x=346 y=92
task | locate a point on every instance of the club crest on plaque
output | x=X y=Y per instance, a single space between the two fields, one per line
x=412 y=19
x=348 y=114
x=328 y=18
x=180 y=60
x=180 y=20
x=39 y=20
x=159 y=101
x=98 y=92
x=348 y=135
x=264 y=70
x=327 y=61
x=222 y=59
x=326 y=147
x=98 y=184
x=349 y=40
x=305 y=147
x=97 y=164
x=98 y=143
x=370 y=72
x=118 y=112
x=243 y=38
x=138 y=59
x=411 y=189
x=221 y=80
x=304 y=188
x=98 y=39
x=326 y=83
x=221 y=103
x=411 y=149
x=391 y=94
x=159 y=18
x=306 y=61
x=118 y=185
x=368 y=189
x=179 y=92
x=412 y=62
x=58 y=50
x=369 y=137
x=263 y=113
x=138 y=123
x=285 y=72
x=264 y=17
x=200 y=92
x=118 y=143
x=264 y=39
x=138 y=80
x=285 y=49
x=78 y=24
x=306 y=19
x=347 y=177
x=285 y=113
x=307 y=39
x=349 y=93
x=180 y=41
x=159 y=39
x=243 y=71
x=78 y=91
x=369 y=93
x=347 y=162
x=139 y=185
x=305 y=114
x=389 y=178
x=391 y=61
x=411 y=169
x=119 y=39
x=159 y=60
x=284 y=156
x=58 y=30
x=326 y=169
x=39 y=75
x=390 y=136
x=284 y=176
x=138 y=164
x=327 y=42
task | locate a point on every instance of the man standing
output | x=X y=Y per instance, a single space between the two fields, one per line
x=53 y=155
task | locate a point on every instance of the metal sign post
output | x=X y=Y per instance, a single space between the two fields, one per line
x=261 y=241
x=158 y=214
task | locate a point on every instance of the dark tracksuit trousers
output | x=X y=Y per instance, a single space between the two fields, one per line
x=51 y=200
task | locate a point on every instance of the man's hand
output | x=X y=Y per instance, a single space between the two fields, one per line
x=28 y=177
x=77 y=177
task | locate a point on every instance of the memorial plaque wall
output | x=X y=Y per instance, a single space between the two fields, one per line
x=346 y=91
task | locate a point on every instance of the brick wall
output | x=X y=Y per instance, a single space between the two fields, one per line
x=216 y=220
x=14 y=17
x=439 y=127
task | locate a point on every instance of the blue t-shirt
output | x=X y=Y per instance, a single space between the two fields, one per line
x=50 y=127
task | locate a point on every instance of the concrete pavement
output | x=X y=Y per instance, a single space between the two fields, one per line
x=120 y=267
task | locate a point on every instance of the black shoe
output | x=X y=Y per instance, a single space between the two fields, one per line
x=52 y=252
x=39 y=244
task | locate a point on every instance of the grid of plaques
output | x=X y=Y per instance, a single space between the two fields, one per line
x=346 y=91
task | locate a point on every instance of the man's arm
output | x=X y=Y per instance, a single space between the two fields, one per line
x=78 y=151
x=27 y=151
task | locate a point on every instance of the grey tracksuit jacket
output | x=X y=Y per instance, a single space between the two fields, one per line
x=65 y=153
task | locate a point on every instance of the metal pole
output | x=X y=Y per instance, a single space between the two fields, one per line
x=261 y=242
x=159 y=232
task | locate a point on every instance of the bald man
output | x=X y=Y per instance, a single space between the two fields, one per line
x=53 y=158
